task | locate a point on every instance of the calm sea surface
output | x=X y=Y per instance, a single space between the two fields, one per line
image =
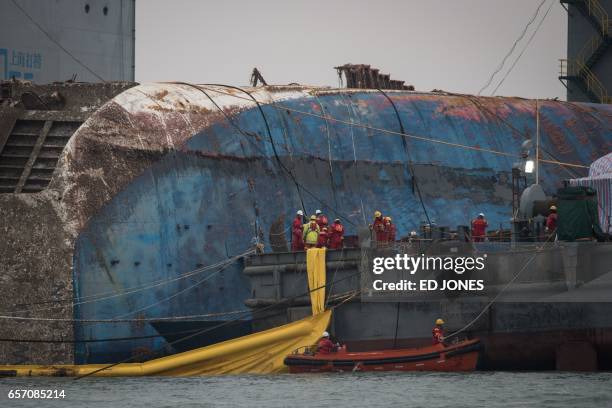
x=484 y=389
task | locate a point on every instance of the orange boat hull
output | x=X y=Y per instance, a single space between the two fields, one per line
x=462 y=356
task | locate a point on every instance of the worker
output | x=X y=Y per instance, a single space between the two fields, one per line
x=551 y=220
x=479 y=228
x=310 y=233
x=321 y=219
x=324 y=235
x=325 y=345
x=378 y=227
x=389 y=229
x=438 y=332
x=336 y=238
x=297 y=232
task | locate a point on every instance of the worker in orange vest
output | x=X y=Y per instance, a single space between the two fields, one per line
x=336 y=239
x=438 y=332
x=479 y=228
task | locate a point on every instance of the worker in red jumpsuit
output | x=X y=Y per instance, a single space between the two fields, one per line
x=324 y=235
x=321 y=219
x=390 y=229
x=325 y=345
x=479 y=228
x=297 y=232
x=551 y=221
x=336 y=238
x=378 y=227
x=438 y=332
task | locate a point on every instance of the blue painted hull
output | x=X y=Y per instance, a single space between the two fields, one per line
x=201 y=202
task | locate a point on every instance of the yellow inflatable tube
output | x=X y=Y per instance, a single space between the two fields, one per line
x=258 y=353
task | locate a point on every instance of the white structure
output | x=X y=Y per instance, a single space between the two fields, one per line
x=600 y=179
x=98 y=33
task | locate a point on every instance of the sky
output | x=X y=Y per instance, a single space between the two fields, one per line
x=454 y=45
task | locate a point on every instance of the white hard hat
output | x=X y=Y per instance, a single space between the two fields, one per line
x=413 y=233
x=481 y=215
x=325 y=334
x=318 y=212
x=300 y=212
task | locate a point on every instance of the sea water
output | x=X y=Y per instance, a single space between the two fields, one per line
x=430 y=390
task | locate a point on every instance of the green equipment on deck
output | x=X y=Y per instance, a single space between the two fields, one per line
x=577 y=209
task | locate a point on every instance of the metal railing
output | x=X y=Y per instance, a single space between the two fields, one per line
x=578 y=68
x=596 y=10
x=589 y=48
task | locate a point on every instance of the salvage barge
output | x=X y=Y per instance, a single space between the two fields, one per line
x=556 y=315
x=107 y=192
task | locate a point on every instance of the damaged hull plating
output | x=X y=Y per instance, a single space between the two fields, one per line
x=158 y=183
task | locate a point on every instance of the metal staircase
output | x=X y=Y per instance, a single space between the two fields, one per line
x=30 y=153
x=579 y=69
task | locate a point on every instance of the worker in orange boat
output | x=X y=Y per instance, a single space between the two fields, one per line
x=378 y=227
x=297 y=232
x=325 y=345
x=438 y=332
x=311 y=233
x=336 y=239
x=551 y=220
x=479 y=228
x=389 y=229
x=321 y=219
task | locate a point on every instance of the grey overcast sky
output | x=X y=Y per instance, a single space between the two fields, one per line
x=453 y=45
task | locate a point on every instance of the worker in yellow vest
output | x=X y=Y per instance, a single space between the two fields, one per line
x=311 y=233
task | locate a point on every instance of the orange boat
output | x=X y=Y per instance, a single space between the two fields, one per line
x=461 y=356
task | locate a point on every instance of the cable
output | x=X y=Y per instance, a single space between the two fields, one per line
x=514 y=278
x=145 y=319
x=205 y=279
x=421 y=138
x=113 y=339
x=524 y=48
x=482 y=107
x=56 y=42
x=501 y=65
x=138 y=289
x=281 y=164
x=407 y=150
x=246 y=133
x=256 y=135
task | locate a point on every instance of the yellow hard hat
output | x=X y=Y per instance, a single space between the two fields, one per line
x=553 y=208
x=313 y=218
x=377 y=214
x=439 y=321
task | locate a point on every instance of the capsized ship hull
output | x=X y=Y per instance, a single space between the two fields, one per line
x=159 y=182
x=212 y=186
